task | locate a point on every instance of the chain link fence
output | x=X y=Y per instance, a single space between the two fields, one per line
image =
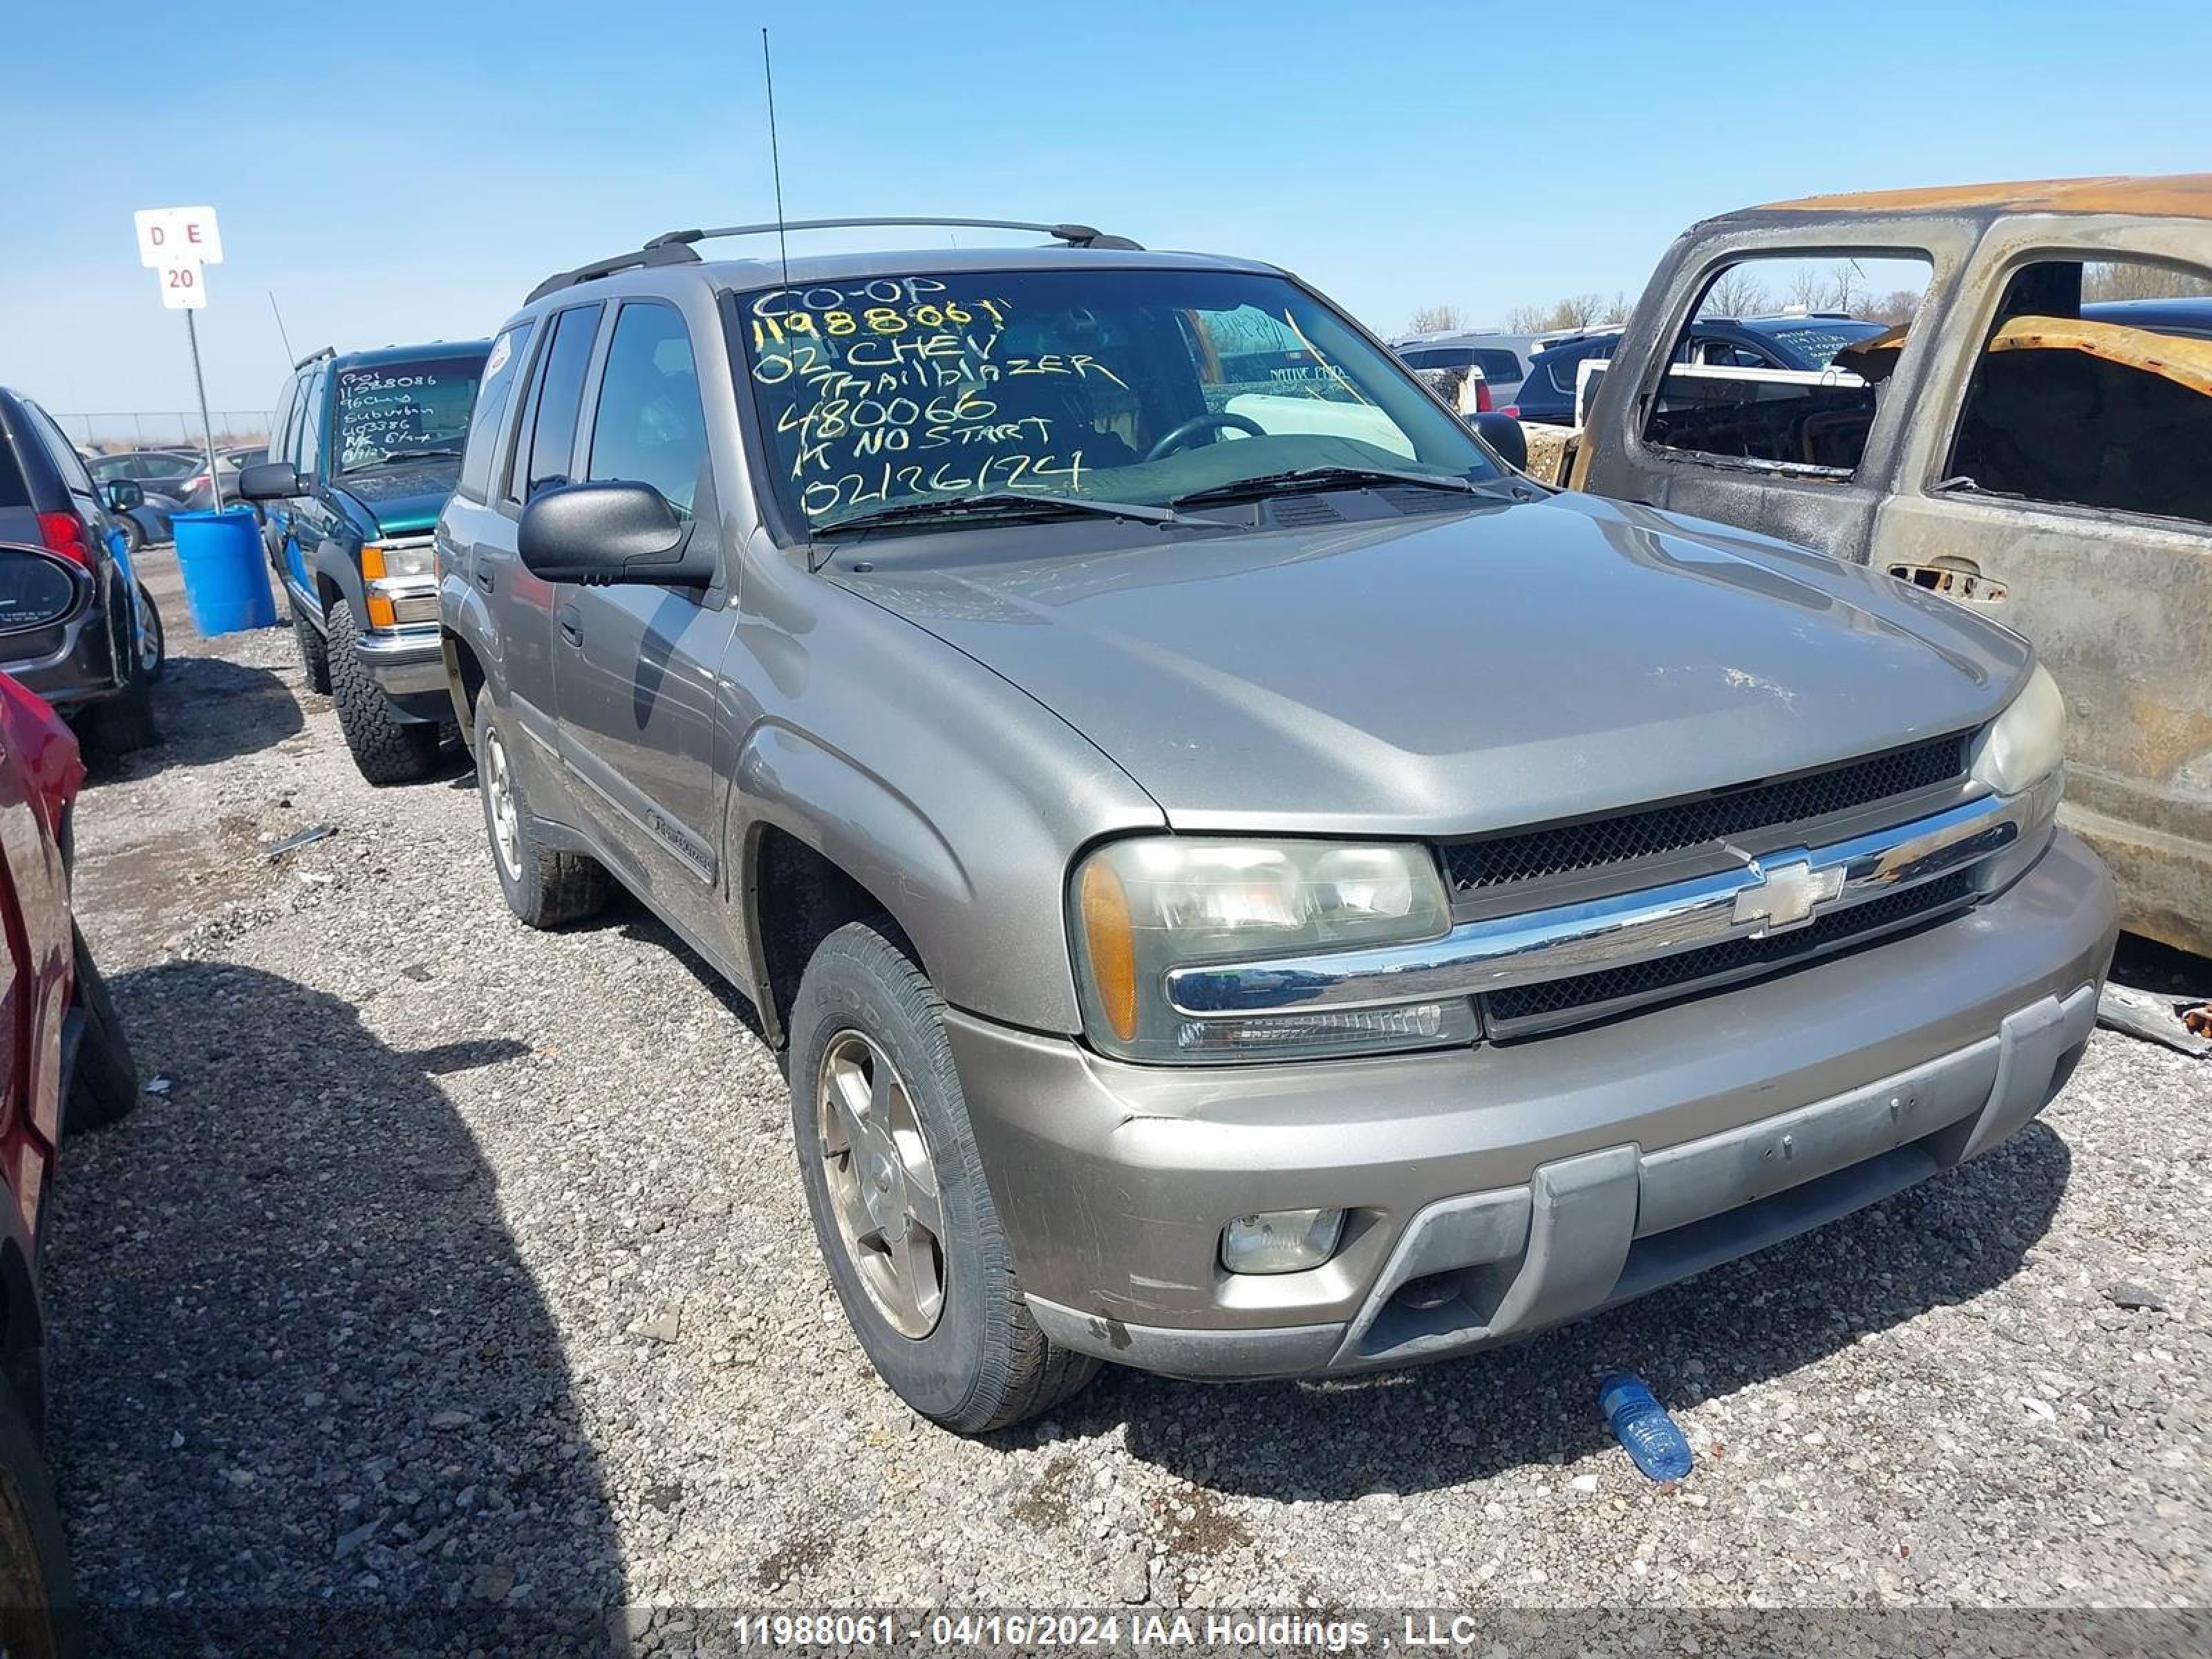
x=112 y=431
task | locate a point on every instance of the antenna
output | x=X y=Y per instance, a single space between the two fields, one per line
x=281 y=334
x=775 y=158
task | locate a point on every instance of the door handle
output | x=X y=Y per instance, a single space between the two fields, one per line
x=572 y=625
x=483 y=575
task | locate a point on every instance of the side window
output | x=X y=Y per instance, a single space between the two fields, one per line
x=2094 y=389
x=308 y=442
x=501 y=367
x=547 y=451
x=648 y=426
x=62 y=452
x=1804 y=398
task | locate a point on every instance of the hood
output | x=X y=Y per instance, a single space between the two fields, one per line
x=1466 y=670
x=406 y=499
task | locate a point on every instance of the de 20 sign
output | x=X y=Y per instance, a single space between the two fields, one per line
x=177 y=242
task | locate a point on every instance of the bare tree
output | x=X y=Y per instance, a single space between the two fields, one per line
x=1526 y=319
x=2139 y=280
x=1616 y=310
x=1808 y=288
x=1898 y=306
x=1736 y=292
x=1436 y=320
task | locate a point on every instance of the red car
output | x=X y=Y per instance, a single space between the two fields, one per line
x=65 y=1062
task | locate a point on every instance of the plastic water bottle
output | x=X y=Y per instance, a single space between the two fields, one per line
x=1640 y=1423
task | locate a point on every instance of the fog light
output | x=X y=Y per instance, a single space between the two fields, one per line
x=1280 y=1241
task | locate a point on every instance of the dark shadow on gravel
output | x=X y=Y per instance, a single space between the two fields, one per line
x=1947 y=1241
x=306 y=1397
x=630 y=914
x=208 y=709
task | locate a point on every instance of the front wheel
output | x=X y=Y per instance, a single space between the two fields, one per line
x=901 y=1212
x=388 y=749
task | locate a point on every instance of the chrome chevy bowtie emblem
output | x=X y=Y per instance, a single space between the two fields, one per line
x=1784 y=895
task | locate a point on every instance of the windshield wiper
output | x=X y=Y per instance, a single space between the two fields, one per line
x=1321 y=477
x=410 y=455
x=998 y=503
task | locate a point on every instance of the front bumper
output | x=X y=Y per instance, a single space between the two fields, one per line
x=409 y=668
x=1528 y=1183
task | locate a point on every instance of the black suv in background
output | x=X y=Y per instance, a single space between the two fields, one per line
x=76 y=626
x=367 y=448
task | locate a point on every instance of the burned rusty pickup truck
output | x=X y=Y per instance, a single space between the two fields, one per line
x=2031 y=435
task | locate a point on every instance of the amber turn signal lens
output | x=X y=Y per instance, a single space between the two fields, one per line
x=1113 y=946
x=380 y=613
x=371 y=563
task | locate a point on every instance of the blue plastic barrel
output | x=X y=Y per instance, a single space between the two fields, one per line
x=226 y=575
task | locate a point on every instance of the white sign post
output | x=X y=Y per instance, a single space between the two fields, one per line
x=177 y=242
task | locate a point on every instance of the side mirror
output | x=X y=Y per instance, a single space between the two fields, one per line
x=122 y=494
x=1502 y=433
x=599 y=534
x=268 y=481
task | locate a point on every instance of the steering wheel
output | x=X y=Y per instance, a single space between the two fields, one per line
x=1175 y=438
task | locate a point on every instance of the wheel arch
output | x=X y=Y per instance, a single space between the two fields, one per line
x=827 y=843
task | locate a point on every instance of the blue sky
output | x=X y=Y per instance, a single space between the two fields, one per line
x=396 y=171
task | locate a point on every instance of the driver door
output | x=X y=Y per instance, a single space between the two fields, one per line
x=636 y=667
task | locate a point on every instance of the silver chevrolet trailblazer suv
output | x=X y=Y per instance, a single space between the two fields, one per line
x=1250 y=885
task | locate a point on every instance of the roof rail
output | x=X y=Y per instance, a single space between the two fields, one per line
x=1073 y=235
x=315 y=356
x=658 y=252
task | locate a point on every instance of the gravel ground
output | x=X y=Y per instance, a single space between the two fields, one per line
x=460 y=1266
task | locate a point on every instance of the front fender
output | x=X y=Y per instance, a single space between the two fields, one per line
x=334 y=564
x=858 y=821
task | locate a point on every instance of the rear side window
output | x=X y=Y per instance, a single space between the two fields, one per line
x=558 y=401
x=1498 y=365
x=500 y=368
x=2094 y=389
x=62 y=453
x=648 y=428
x=14 y=492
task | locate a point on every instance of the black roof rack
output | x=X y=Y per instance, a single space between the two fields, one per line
x=654 y=252
x=315 y=356
x=674 y=247
x=1073 y=235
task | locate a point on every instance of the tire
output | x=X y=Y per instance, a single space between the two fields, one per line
x=314 y=652
x=122 y=725
x=38 y=1596
x=386 y=748
x=134 y=536
x=152 y=640
x=104 y=1087
x=981 y=1362
x=544 y=888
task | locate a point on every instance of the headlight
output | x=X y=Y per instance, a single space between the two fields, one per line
x=2025 y=744
x=1139 y=908
x=382 y=559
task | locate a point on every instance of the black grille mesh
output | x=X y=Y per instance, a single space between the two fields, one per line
x=1731 y=956
x=1530 y=854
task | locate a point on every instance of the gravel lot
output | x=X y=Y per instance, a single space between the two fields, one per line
x=461 y=1266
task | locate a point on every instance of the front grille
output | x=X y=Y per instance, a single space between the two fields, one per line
x=1735 y=956
x=1530 y=855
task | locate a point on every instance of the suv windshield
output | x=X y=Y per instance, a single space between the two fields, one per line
x=392 y=410
x=1129 y=386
